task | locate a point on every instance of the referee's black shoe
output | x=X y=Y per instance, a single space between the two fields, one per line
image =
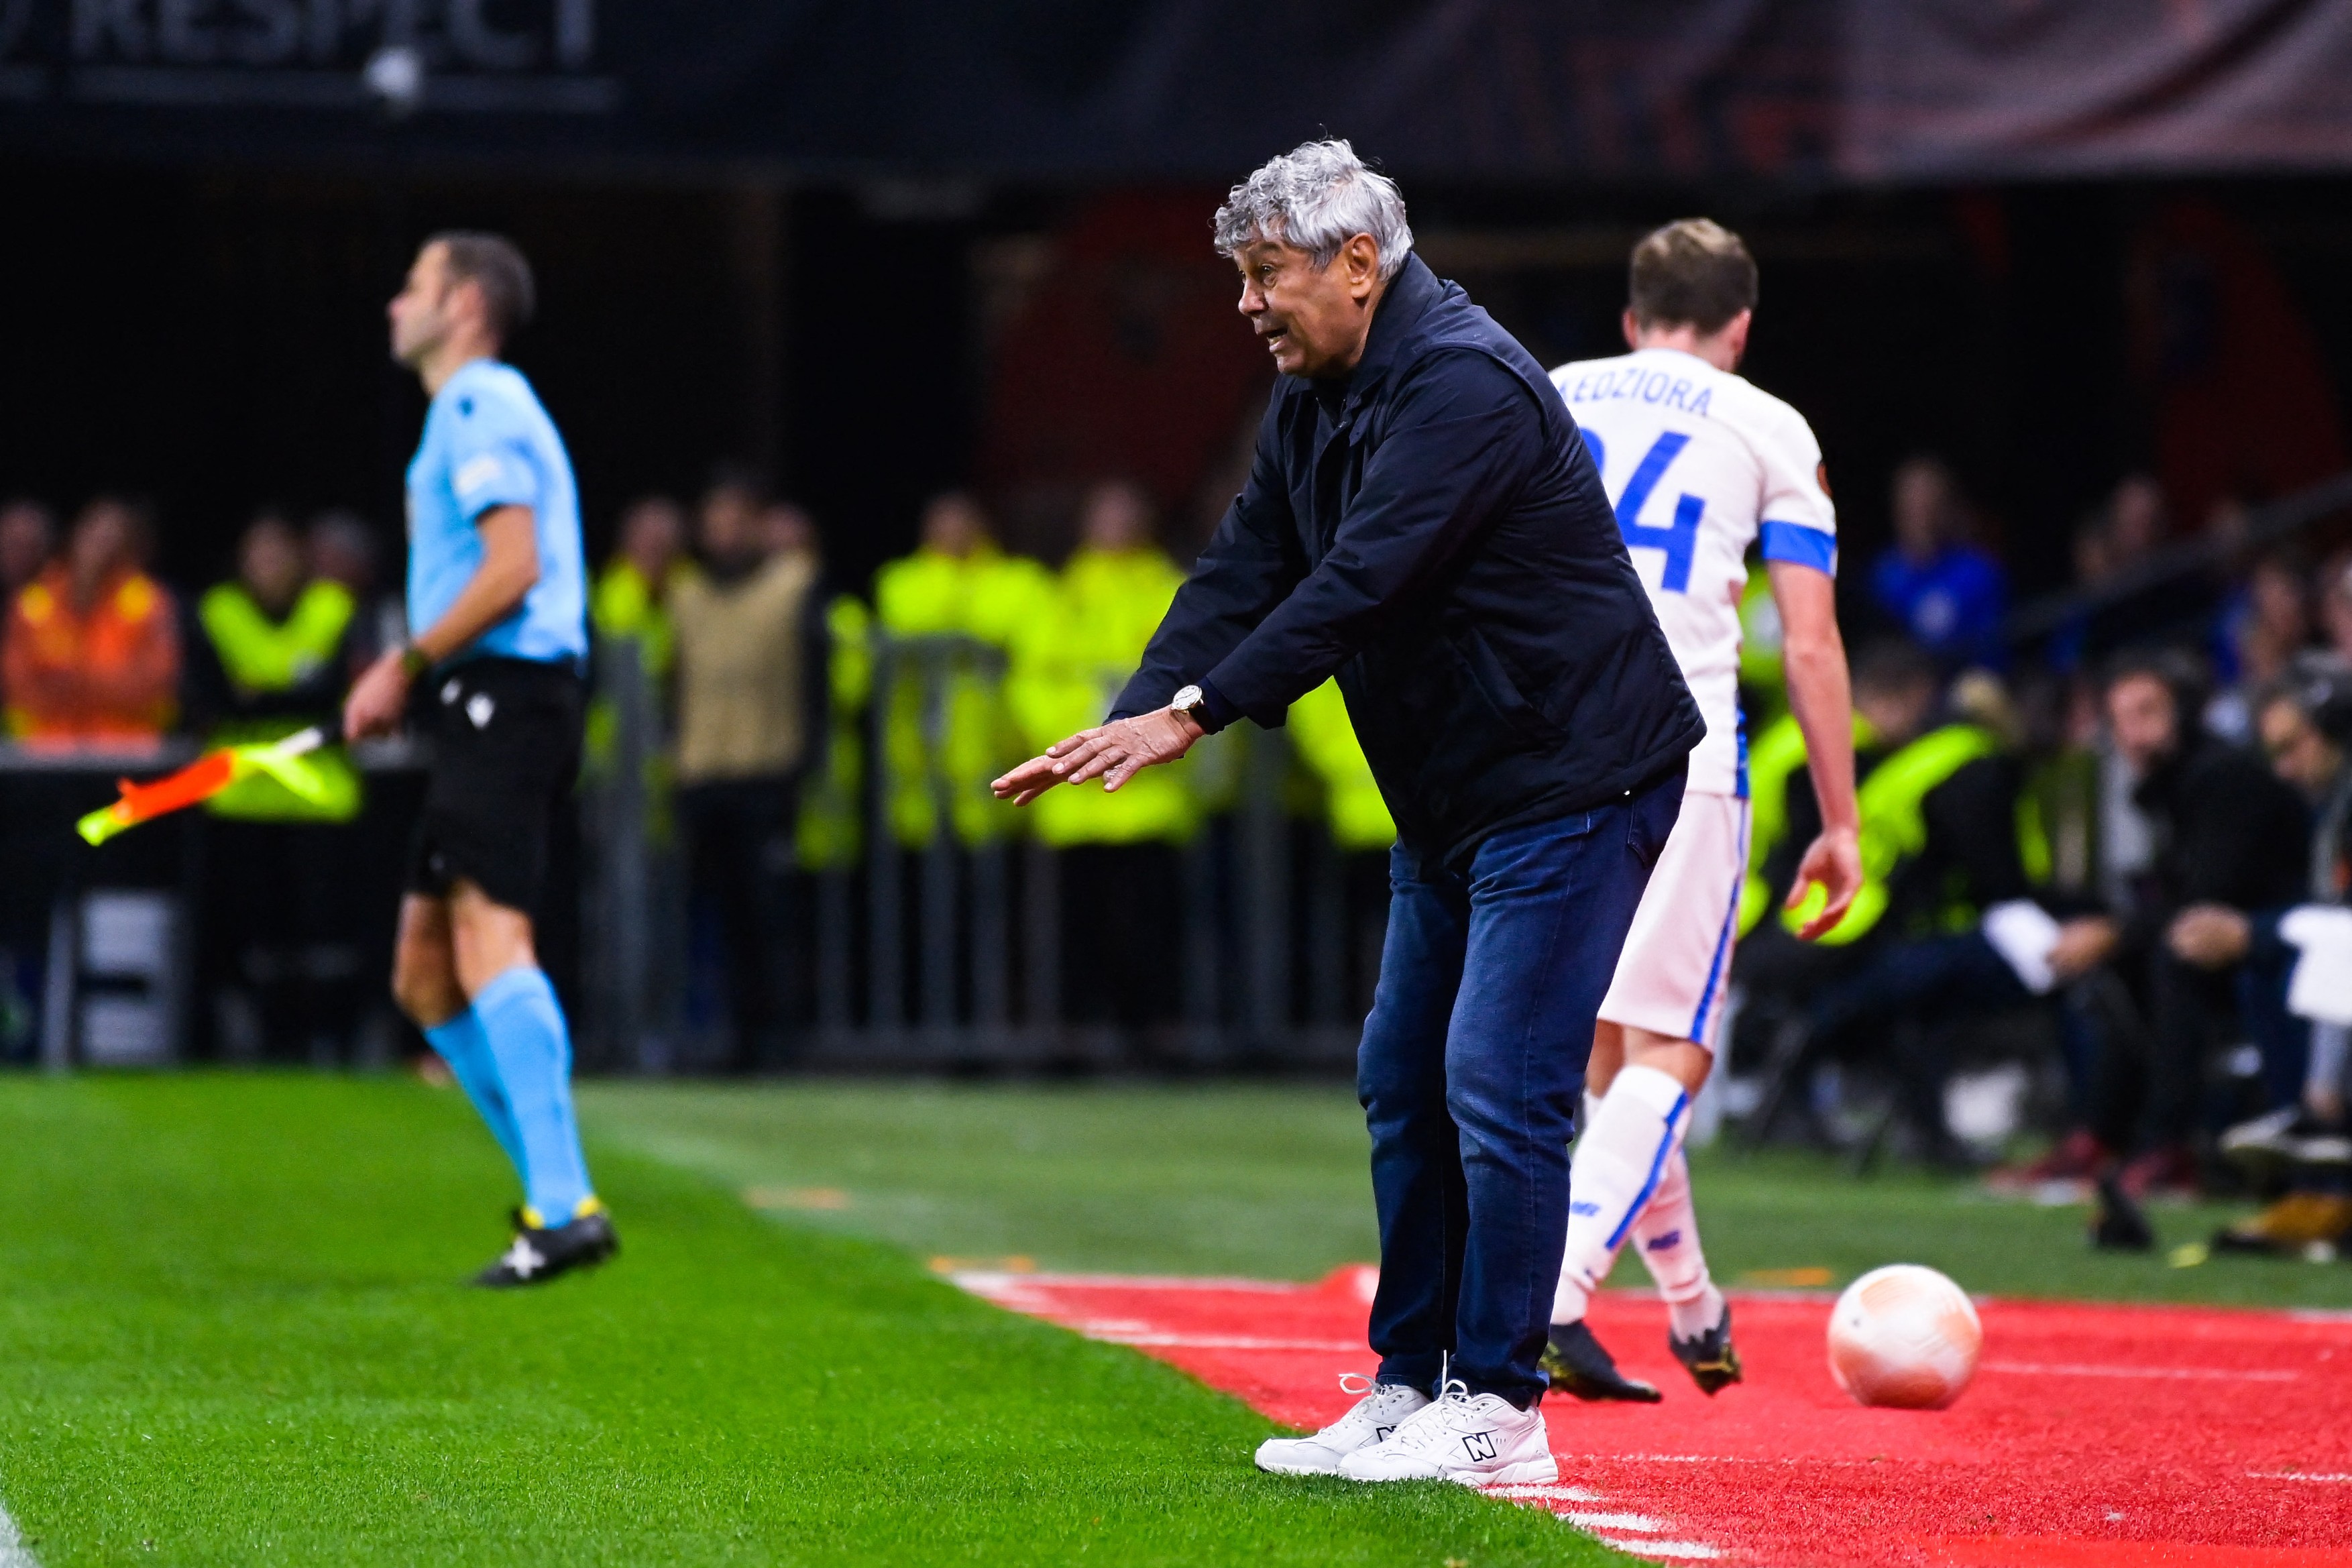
x=1578 y=1365
x=539 y=1255
x=1710 y=1358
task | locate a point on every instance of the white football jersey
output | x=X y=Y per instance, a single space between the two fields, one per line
x=1700 y=464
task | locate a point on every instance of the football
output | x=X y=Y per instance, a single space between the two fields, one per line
x=1903 y=1336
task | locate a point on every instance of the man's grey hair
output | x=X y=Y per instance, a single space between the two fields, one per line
x=1317 y=196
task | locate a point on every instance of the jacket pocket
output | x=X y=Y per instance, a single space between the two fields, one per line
x=1492 y=680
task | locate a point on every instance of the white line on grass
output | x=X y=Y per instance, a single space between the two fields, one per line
x=1639 y=1523
x=14 y=1552
x=1680 y=1549
x=2191 y=1373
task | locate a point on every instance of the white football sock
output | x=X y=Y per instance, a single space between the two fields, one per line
x=1627 y=1146
x=1667 y=1234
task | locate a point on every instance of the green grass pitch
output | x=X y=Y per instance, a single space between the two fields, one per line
x=231 y=1331
x=1270 y=1182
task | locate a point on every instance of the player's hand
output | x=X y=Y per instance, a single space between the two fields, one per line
x=2209 y=936
x=377 y=698
x=2083 y=944
x=1833 y=863
x=1114 y=752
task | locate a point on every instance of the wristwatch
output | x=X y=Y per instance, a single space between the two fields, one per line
x=413 y=660
x=1193 y=705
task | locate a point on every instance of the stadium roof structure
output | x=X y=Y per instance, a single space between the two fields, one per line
x=1803 y=93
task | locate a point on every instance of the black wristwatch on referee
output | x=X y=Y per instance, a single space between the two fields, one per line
x=413 y=661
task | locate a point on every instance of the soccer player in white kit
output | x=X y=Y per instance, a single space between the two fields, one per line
x=1700 y=465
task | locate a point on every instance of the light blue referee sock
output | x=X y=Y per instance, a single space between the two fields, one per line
x=462 y=1044
x=533 y=1052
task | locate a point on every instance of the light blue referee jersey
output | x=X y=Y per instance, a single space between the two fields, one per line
x=488 y=443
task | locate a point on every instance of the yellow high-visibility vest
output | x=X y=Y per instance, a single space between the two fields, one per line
x=1326 y=738
x=1895 y=826
x=261 y=655
x=1773 y=760
x=990 y=598
x=1070 y=664
x=832 y=807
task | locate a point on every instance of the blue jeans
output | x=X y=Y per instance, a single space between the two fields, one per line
x=1470 y=1072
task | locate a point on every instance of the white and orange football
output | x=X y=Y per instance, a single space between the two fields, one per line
x=1904 y=1336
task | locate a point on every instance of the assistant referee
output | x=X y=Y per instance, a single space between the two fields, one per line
x=498 y=634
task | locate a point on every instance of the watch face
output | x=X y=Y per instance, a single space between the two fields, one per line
x=1186 y=699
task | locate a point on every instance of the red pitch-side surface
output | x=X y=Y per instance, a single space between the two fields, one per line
x=2093 y=1436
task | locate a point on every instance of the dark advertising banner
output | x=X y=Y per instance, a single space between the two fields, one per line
x=1575 y=91
x=2097 y=87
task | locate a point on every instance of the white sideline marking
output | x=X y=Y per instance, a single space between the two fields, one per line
x=2292 y=1475
x=1696 y=1548
x=14 y=1552
x=1543 y=1491
x=1216 y=1341
x=1639 y=1523
x=1722 y=1459
x=2189 y=1374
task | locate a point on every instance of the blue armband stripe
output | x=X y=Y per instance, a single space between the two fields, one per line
x=1799 y=545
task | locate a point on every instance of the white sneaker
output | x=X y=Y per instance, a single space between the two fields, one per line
x=1479 y=1442
x=1379 y=1413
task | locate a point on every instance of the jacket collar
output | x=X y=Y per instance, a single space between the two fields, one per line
x=1407 y=298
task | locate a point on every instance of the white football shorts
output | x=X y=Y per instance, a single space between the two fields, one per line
x=1678 y=960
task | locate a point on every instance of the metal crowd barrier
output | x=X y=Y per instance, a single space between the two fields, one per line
x=951 y=950
x=923 y=955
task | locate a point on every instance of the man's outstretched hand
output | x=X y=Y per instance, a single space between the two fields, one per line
x=1113 y=753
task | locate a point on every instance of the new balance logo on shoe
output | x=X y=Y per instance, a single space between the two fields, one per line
x=1476 y=1439
x=1586 y=1209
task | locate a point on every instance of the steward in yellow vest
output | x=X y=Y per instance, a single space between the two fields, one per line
x=278 y=662
x=633 y=596
x=1941 y=826
x=1775 y=764
x=960 y=588
x=1949 y=835
x=633 y=599
x=1326 y=738
x=831 y=821
x=1070 y=662
x=1072 y=658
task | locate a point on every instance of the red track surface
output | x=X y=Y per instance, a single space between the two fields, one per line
x=2093 y=1438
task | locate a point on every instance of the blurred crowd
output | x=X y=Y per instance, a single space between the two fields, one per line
x=2111 y=849
x=751 y=690
x=773 y=689
x=2085 y=848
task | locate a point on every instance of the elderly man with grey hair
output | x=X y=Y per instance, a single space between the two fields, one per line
x=1422 y=519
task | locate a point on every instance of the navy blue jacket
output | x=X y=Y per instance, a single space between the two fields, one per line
x=1432 y=531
